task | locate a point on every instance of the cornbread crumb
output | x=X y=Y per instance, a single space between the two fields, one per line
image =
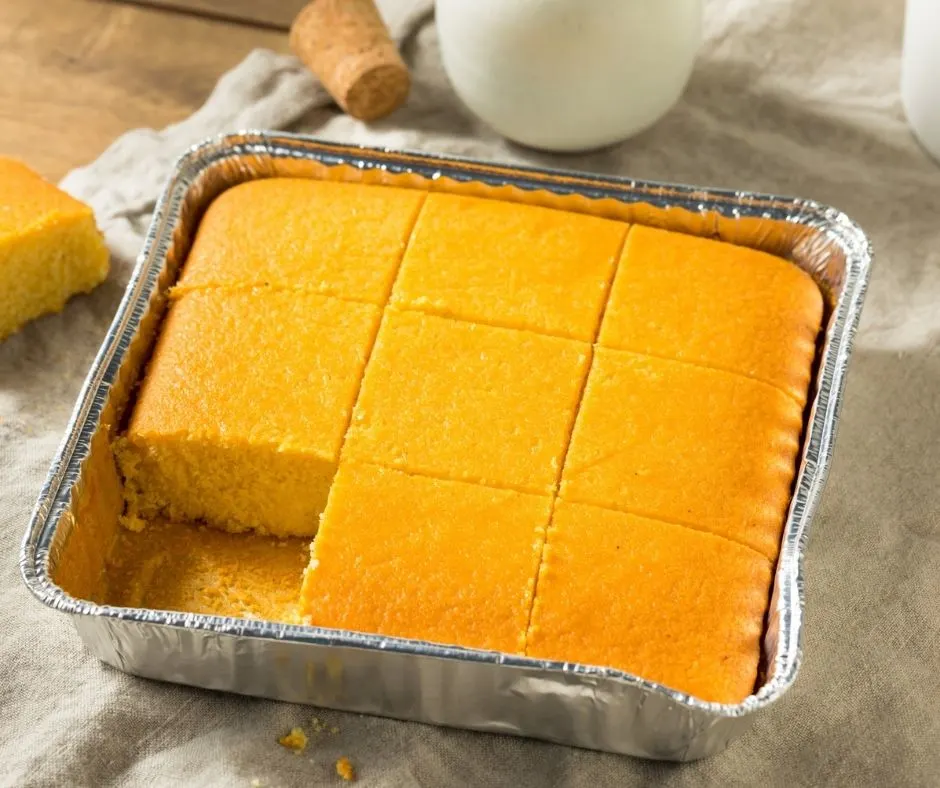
x=296 y=740
x=318 y=726
x=345 y=769
x=133 y=523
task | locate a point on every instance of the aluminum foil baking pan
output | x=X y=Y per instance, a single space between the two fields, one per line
x=574 y=704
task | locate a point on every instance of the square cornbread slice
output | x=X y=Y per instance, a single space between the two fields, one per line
x=716 y=304
x=666 y=603
x=409 y=556
x=464 y=401
x=242 y=412
x=687 y=444
x=50 y=248
x=339 y=239
x=512 y=265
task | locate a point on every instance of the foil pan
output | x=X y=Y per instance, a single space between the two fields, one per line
x=78 y=507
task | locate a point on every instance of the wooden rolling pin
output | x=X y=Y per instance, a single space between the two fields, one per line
x=346 y=44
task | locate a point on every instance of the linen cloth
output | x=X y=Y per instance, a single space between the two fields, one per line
x=788 y=96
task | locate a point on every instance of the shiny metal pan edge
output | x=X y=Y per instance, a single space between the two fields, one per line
x=580 y=705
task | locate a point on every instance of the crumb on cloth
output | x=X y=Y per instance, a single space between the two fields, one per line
x=321 y=726
x=296 y=740
x=345 y=769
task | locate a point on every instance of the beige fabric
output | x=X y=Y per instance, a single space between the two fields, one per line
x=790 y=96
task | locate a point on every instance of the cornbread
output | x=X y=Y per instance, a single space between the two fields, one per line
x=176 y=566
x=682 y=443
x=50 y=248
x=467 y=401
x=409 y=556
x=345 y=769
x=510 y=265
x=508 y=428
x=338 y=239
x=295 y=740
x=712 y=303
x=666 y=603
x=242 y=411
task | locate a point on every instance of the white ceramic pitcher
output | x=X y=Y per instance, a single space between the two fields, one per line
x=569 y=75
x=920 y=72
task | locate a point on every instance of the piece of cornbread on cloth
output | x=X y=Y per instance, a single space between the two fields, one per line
x=339 y=239
x=512 y=265
x=716 y=304
x=240 y=417
x=408 y=556
x=664 y=602
x=465 y=401
x=686 y=444
x=50 y=248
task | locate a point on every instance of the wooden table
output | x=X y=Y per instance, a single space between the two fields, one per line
x=75 y=74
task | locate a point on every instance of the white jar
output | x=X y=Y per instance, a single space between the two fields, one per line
x=920 y=72
x=569 y=75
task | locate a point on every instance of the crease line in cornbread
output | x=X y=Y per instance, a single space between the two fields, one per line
x=712 y=367
x=175 y=295
x=446 y=477
x=574 y=418
x=378 y=328
x=666 y=521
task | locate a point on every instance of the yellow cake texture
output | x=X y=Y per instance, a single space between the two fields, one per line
x=686 y=444
x=667 y=603
x=510 y=265
x=241 y=414
x=409 y=556
x=712 y=303
x=507 y=428
x=338 y=239
x=50 y=248
x=178 y=567
x=467 y=401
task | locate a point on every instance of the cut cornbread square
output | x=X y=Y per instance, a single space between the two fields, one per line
x=686 y=444
x=510 y=265
x=50 y=247
x=175 y=566
x=666 y=603
x=466 y=401
x=415 y=557
x=339 y=239
x=242 y=412
x=713 y=303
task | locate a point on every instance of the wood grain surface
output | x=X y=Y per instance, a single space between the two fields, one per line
x=277 y=14
x=78 y=73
